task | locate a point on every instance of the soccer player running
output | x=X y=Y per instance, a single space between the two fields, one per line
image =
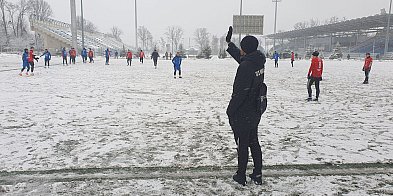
x=31 y=59
x=64 y=55
x=141 y=56
x=176 y=64
x=276 y=56
x=155 y=56
x=84 y=55
x=25 y=62
x=129 y=58
x=91 y=56
x=72 y=55
x=368 y=62
x=107 y=55
x=314 y=75
x=47 y=58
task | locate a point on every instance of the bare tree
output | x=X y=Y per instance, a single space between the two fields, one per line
x=178 y=37
x=116 y=32
x=40 y=9
x=332 y=20
x=23 y=9
x=4 y=22
x=12 y=9
x=314 y=22
x=163 y=44
x=155 y=45
x=88 y=25
x=144 y=35
x=202 y=37
x=215 y=46
x=301 y=25
x=222 y=42
x=174 y=35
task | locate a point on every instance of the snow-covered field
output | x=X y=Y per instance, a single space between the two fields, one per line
x=97 y=116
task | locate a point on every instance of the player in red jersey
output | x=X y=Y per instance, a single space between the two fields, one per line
x=129 y=57
x=314 y=75
x=368 y=62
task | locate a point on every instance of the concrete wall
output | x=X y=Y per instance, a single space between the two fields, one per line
x=51 y=43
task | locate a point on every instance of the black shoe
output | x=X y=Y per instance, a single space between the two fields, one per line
x=309 y=99
x=365 y=82
x=256 y=178
x=239 y=179
x=180 y=77
x=316 y=99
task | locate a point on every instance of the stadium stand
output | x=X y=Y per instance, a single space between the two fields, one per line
x=57 y=34
x=361 y=35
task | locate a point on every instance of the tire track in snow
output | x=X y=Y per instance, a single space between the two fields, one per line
x=128 y=173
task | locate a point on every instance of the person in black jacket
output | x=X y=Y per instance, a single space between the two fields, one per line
x=247 y=104
x=155 y=56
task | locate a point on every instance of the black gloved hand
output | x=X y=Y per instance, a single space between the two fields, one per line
x=229 y=35
x=36 y=58
x=308 y=77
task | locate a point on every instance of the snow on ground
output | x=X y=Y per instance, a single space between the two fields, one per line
x=92 y=115
x=334 y=185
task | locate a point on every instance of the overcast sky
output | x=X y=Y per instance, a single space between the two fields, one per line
x=215 y=15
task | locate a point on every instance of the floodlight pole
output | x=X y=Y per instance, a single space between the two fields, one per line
x=82 y=25
x=275 y=23
x=136 y=27
x=241 y=22
x=387 y=31
x=73 y=25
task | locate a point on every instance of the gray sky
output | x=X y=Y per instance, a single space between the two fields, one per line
x=215 y=15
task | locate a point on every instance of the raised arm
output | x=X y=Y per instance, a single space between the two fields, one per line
x=233 y=50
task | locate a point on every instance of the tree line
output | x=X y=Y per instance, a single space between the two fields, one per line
x=14 y=24
x=316 y=22
x=14 y=16
x=206 y=43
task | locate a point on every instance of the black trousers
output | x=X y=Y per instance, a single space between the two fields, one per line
x=246 y=136
x=275 y=63
x=31 y=66
x=91 y=59
x=310 y=82
x=129 y=61
x=65 y=60
x=141 y=59
x=174 y=73
x=46 y=63
x=24 y=67
x=155 y=62
x=366 y=74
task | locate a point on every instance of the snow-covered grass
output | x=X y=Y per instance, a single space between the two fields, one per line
x=92 y=115
x=316 y=185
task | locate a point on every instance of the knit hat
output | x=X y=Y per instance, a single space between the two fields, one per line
x=316 y=53
x=249 y=44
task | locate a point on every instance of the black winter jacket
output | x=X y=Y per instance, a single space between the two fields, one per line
x=247 y=85
x=155 y=55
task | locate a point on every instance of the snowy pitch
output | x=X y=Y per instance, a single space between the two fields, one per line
x=98 y=116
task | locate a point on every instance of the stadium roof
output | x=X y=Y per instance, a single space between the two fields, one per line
x=365 y=24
